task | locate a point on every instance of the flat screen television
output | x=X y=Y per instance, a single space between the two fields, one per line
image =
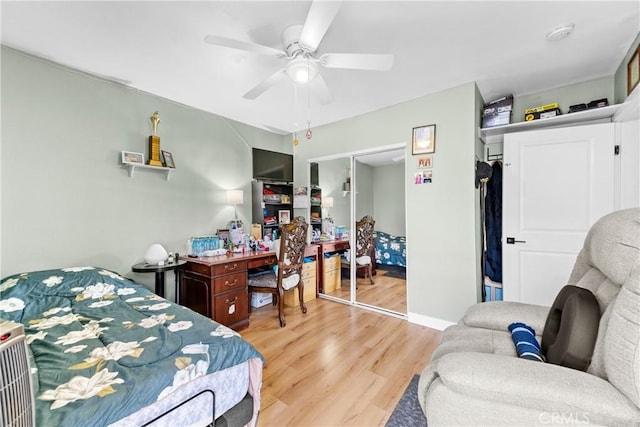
x=272 y=165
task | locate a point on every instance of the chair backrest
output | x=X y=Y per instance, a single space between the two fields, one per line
x=364 y=235
x=291 y=251
x=609 y=266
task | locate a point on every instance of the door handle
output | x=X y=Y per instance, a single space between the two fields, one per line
x=512 y=240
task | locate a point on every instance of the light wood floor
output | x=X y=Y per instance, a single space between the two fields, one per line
x=386 y=292
x=337 y=365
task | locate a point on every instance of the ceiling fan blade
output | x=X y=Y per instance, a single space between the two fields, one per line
x=242 y=45
x=319 y=18
x=269 y=82
x=321 y=90
x=357 y=61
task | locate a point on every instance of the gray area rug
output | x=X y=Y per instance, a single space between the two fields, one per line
x=394 y=271
x=408 y=412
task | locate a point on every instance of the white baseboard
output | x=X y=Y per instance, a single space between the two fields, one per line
x=430 y=322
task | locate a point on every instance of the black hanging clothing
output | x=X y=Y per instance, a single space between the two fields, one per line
x=493 y=225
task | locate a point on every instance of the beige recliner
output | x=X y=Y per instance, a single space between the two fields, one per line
x=476 y=378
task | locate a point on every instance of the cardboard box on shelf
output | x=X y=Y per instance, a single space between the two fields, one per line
x=497 y=112
x=542 y=112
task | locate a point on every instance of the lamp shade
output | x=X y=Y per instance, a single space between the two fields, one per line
x=155 y=254
x=327 y=202
x=235 y=197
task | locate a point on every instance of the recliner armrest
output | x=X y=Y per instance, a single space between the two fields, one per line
x=534 y=385
x=498 y=315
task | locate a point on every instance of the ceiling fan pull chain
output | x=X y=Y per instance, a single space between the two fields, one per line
x=295 y=121
x=309 y=134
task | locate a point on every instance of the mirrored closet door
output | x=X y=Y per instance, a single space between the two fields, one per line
x=343 y=192
x=331 y=213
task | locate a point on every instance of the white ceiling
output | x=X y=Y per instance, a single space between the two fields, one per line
x=158 y=47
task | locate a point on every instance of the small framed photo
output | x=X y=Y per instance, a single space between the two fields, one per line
x=284 y=217
x=423 y=140
x=131 y=157
x=168 y=159
x=425 y=162
x=633 y=71
x=223 y=234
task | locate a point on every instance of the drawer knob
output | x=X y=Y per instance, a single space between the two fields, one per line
x=229 y=267
x=231 y=301
x=227 y=283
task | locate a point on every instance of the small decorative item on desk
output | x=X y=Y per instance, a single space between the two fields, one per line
x=170 y=258
x=154 y=142
x=156 y=255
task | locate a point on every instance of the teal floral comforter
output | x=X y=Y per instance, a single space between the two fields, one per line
x=103 y=347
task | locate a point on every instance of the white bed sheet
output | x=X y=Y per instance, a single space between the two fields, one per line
x=229 y=385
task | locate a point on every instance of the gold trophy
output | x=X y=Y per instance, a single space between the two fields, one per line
x=154 y=142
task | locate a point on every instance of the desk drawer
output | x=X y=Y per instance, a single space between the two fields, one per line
x=199 y=268
x=229 y=267
x=292 y=299
x=332 y=263
x=262 y=262
x=308 y=267
x=330 y=281
x=230 y=282
x=232 y=307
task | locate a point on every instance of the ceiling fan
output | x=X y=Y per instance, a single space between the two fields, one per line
x=300 y=44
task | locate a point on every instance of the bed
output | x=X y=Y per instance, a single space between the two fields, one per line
x=390 y=249
x=104 y=350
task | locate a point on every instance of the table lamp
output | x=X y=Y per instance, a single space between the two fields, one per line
x=235 y=198
x=327 y=202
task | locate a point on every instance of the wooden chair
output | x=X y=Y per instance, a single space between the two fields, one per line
x=364 y=246
x=289 y=249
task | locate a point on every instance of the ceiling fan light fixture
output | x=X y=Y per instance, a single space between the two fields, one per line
x=302 y=70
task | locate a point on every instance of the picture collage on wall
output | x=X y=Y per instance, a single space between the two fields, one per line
x=423 y=144
x=424 y=172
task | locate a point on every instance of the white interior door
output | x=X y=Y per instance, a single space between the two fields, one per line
x=556 y=184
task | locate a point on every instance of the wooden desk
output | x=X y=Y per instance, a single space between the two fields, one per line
x=216 y=287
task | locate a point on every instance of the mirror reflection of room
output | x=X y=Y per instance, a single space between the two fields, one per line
x=378 y=183
x=331 y=208
x=379 y=180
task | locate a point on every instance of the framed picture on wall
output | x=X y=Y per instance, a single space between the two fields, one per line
x=284 y=217
x=131 y=157
x=168 y=159
x=423 y=140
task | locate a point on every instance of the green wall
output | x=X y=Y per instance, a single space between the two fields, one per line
x=565 y=96
x=389 y=199
x=621 y=73
x=441 y=224
x=66 y=200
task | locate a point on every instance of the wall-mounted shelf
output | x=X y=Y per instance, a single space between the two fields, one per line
x=131 y=167
x=496 y=134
